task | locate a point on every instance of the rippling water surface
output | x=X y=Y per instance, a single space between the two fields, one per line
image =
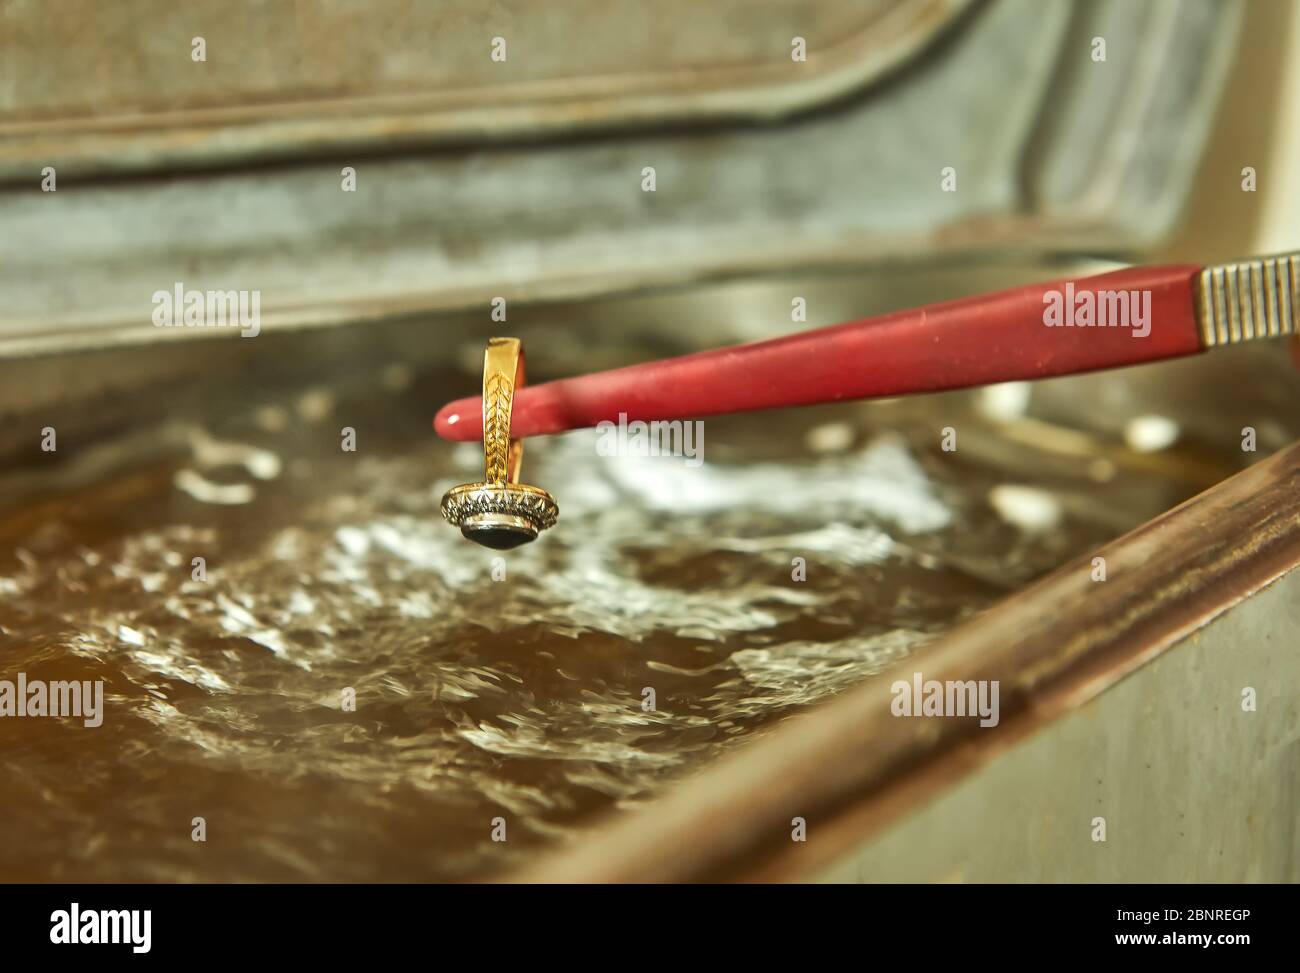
x=514 y=689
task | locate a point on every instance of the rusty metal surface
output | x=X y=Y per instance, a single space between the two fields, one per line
x=1055 y=646
x=1001 y=99
x=1193 y=786
x=324 y=75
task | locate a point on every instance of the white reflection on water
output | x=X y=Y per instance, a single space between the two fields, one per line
x=474 y=697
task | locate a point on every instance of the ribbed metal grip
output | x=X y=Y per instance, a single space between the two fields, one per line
x=1249 y=299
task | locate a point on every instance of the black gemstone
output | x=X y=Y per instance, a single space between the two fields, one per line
x=499 y=537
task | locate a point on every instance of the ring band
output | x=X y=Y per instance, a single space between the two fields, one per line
x=503 y=370
x=500 y=512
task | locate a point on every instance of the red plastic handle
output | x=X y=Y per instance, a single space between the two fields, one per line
x=995 y=337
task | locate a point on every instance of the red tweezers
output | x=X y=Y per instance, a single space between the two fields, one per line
x=1064 y=327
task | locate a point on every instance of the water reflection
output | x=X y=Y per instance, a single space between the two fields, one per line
x=516 y=688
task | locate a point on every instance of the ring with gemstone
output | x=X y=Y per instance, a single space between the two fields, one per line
x=500 y=512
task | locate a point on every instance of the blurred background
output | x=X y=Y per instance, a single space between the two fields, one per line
x=380 y=173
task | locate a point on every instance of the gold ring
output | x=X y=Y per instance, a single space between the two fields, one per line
x=500 y=512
